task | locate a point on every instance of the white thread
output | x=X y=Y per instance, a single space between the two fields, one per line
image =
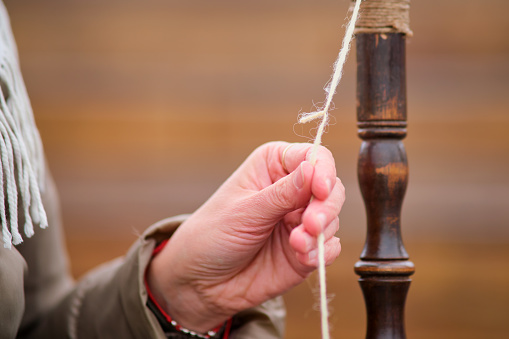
x=324 y=114
x=22 y=169
x=338 y=69
x=323 y=291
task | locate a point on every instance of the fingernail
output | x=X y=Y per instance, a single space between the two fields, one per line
x=329 y=185
x=298 y=178
x=309 y=243
x=322 y=219
x=312 y=254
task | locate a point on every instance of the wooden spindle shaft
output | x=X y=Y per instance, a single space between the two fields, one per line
x=384 y=268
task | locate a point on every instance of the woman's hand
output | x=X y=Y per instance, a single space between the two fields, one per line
x=254 y=239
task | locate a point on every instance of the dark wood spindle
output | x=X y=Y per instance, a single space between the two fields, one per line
x=384 y=268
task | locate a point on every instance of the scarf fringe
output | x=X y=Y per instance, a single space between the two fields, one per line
x=21 y=155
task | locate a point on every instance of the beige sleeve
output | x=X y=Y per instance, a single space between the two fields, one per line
x=46 y=278
x=110 y=302
x=264 y=321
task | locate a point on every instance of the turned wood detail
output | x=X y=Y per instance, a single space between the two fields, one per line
x=384 y=268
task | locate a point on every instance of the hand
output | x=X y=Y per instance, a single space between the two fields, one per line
x=254 y=239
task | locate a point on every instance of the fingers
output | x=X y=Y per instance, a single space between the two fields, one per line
x=325 y=174
x=287 y=157
x=332 y=249
x=287 y=194
x=303 y=242
x=290 y=156
x=293 y=219
x=320 y=213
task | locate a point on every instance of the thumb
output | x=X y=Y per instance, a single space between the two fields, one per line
x=287 y=194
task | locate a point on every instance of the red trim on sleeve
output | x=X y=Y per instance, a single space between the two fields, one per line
x=159 y=247
x=228 y=328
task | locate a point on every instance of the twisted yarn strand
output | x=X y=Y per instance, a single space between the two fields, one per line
x=324 y=114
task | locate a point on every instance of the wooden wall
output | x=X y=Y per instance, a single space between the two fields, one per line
x=146 y=107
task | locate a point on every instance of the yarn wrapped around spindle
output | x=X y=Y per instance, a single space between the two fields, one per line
x=383 y=16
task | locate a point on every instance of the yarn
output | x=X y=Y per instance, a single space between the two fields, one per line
x=324 y=114
x=330 y=88
x=22 y=159
x=384 y=16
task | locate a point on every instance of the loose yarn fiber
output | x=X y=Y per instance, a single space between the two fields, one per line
x=323 y=113
x=21 y=154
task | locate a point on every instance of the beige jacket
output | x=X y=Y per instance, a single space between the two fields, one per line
x=40 y=300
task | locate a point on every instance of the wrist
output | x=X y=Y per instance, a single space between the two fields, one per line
x=178 y=299
x=170 y=326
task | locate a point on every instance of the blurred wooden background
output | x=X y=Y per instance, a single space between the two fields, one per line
x=145 y=107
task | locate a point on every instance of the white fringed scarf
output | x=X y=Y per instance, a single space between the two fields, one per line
x=21 y=154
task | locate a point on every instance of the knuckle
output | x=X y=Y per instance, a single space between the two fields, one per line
x=281 y=195
x=341 y=188
x=333 y=250
x=336 y=224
